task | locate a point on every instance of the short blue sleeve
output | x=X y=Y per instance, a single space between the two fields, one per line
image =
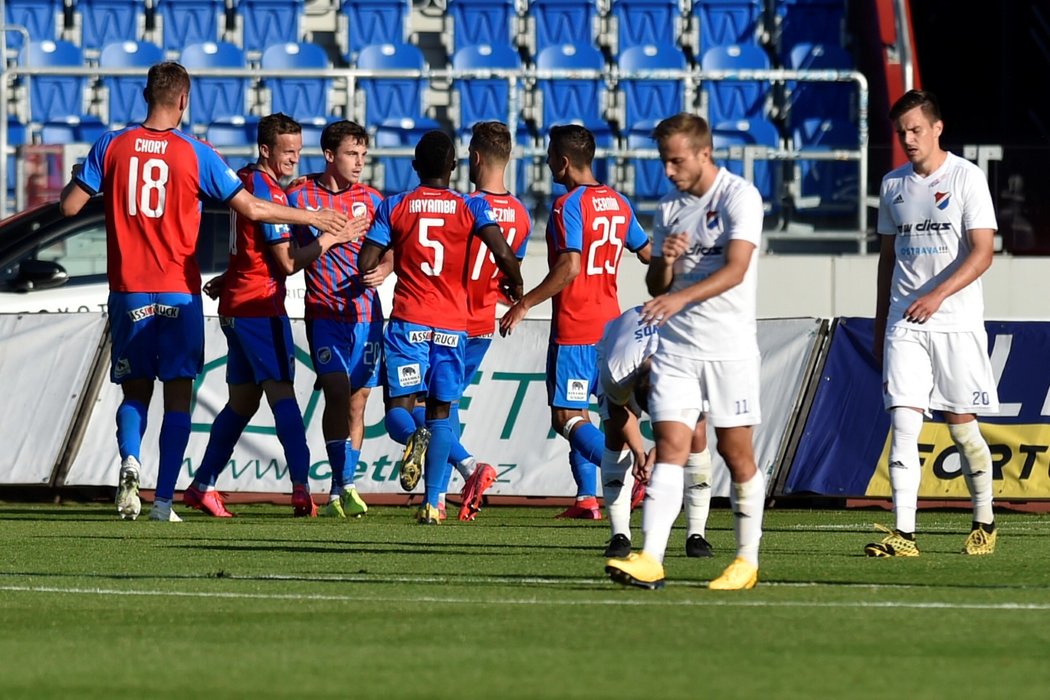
x=571 y=223
x=482 y=212
x=216 y=179
x=379 y=231
x=90 y=176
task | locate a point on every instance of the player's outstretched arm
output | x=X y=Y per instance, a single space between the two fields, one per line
x=369 y=256
x=291 y=257
x=255 y=209
x=73 y=197
x=645 y=253
x=565 y=270
x=377 y=275
x=887 y=261
x=738 y=259
x=660 y=274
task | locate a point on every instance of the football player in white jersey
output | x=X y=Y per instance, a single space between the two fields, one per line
x=937 y=226
x=624 y=365
x=704 y=283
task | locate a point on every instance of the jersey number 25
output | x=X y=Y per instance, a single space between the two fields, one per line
x=609 y=232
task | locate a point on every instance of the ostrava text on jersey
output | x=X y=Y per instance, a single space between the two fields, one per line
x=483 y=275
x=333 y=284
x=598 y=223
x=430 y=228
x=153 y=208
x=254 y=287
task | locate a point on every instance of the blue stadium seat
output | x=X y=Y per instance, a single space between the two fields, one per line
x=268 y=22
x=476 y=22
x=733 y=100
x=303 y=99
x=484 y=99
x=398 y=175
x=187 y=22
x=391 y=98
x=571 y=100
x=236 y=131
x=648 y=101
x=54 y=97
x=812 y=21
x=41 y=18
x=650 y=182
x=830 y=186
x=725 y=22
x=646 y=22
x=106 y=21
x=309 y=164
x=374 y=22
x=72 y=129
x=752 y=132
x=560 y=22
x=828 y=100
x=126 y=104
x=211 y=98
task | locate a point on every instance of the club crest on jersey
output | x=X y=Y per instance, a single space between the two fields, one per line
x=711 y=220
x=446 y=340
x=358 y=209
x=576 y=390
x=942 y=199
x=324 y=355
x=408 y=375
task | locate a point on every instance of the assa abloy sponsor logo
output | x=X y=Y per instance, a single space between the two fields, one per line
x=419 y=336
x=447 y=340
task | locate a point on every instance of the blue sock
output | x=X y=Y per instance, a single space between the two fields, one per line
x=174 y=434
x=225 y=432
x=584 y=473
x=336 y=450
x=292 y=434
x=589 y=442
x=131 y=426
x=458 y=452
x=437 y=458
x=400 y=424
x=447 y=476
x=419 y=415
x=350 y=468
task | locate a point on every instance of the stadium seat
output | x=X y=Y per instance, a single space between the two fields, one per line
x=315 y=162
x=106 y=21
x=577 y=100
x=753 y=132
x=648 y=101
x=184 y=22
x=374 y=22
x=237 y=131
x=54 y=97
x=125 y=102
x=810 y=21
x=398 y=175
x=41 y=18
x=733 y=99
x=303 y=99
x=646 y=22
x=215 y=98
x=828 y=100
x=828 y=186
x=391 y=98
x=484 y=99
x=562 y=22
x=650 y=182
x=72 y=129
x=727 y=22
x=268 y=22
x=477 y=22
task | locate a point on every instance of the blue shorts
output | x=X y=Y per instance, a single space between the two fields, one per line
x=155 y=335
x=342 y=347
x=476 y=349
x=422 y=359
x=572 y=375
x=261 y=349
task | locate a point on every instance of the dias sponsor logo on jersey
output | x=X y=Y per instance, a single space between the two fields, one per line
x=701 y=249
x=576 y=390
x=408 y=375
x=924 y=228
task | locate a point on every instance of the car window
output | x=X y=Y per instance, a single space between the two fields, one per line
x=82 y=254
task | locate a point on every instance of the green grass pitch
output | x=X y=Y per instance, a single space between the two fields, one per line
x=515 y=605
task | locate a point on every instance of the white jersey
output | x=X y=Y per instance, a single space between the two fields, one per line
x=625 y=345
x=930 y=216
x=723 y=327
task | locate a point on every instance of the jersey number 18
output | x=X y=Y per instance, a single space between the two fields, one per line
x=141 y=187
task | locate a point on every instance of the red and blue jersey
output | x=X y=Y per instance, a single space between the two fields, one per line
x=429 y=229
x=598 y=223
x=254 y=285
x=333 y=282
x=154 y=182
x=483 y=274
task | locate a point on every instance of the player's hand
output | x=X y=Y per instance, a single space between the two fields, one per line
x=643 y=468
x=332 y=221
x=674 y=246
x=377 y=275
x=76 y=170
x=213 y=287
x=656 y=312
x=512 y=318
x=359 y=226
x=512 y=291
x=303 y=179
x=922 y=308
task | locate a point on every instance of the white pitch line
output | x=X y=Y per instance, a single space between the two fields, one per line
x=450 y=600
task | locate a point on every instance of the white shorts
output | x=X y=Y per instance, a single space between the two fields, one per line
x=726 y=390
x=938 y=371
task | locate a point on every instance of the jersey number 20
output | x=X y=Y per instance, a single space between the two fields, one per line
x=142 y=186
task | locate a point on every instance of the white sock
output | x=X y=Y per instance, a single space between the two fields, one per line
x=616 y=489
x=663 y=502
x=697 y=492
x=465 y=467
x=905 y=472
x=976 y=461
x=748 y=500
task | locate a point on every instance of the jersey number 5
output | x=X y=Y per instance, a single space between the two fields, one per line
x=439 y=250
x=141 y=189
x=608 y=232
